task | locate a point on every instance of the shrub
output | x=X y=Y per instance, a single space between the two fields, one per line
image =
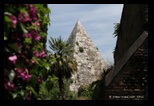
x=25 y=60
x=77 y=43
x=95 y=90
x=81 y=49
x=116 y=29
x=54 y=93
x=85 y=92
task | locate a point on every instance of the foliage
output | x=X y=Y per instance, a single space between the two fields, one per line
x=95 y=90
x=98 y=89
x=70 y=95
x=25 y=61
x=85 y=92
x=64 y=65
x=49 y=89
x=116 y=29
x=77 y=43
x=54 y=93
x=81 y=49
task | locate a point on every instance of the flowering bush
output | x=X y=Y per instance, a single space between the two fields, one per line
x=25 y=60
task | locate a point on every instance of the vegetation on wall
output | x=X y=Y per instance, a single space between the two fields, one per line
x=95 y=90
x=77 y=43
x=116 y=33
x=116 y=29
x=81 y=49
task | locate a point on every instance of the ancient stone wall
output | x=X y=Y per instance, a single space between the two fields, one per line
x=88 y=57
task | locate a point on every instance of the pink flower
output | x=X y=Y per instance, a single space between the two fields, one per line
x=8 y=85
x=13 y=59
x=33 y=35
x=26 y=77
x=38 y=23
x=23 y=75
x=14 y=21
x=35 y=53
x=13 y=18
x=23 y=56
x=18 y=39
x=39 y=79
x=24 y=17
x=42 y=54
x=19 y=45
x=37 y=37
x=33 y=61
x=30 y=35
x=24 y=35
x=19 y=72
x=33 y=13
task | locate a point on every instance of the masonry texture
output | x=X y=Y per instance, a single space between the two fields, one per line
x=131 y=81
x=133 y=20
x=88 y=57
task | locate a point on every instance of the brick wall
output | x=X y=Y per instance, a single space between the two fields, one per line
x=132 y=25
x=131 y=83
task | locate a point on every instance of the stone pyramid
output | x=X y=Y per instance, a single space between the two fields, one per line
x=89 y=60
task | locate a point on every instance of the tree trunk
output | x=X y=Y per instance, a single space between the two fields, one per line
x=61 y=87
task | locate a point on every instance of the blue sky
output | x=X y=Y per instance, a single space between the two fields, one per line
x=97 y=19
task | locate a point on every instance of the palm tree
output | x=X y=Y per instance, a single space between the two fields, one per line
x=65 y=65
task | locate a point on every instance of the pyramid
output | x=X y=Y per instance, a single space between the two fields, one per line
x=89 y=59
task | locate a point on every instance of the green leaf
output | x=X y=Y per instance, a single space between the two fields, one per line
x=22 y=93
x=13 y=46
x=28 y=40
x=20 y=64
x=34 y=69
x=49 y=85
x=5 y=38
x=31 y=89
x=23 y=29
x=40 y=45
x=47 y=67
x=11 y=75
x=43 y=71
x=54 y=78
x=7 y=19
x=33 y=79
x=7 y=13
x=14 y=95
x=7 y=50
x=39 y=98
x=60 y=63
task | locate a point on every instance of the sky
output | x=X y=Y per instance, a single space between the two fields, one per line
x=98 y=21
